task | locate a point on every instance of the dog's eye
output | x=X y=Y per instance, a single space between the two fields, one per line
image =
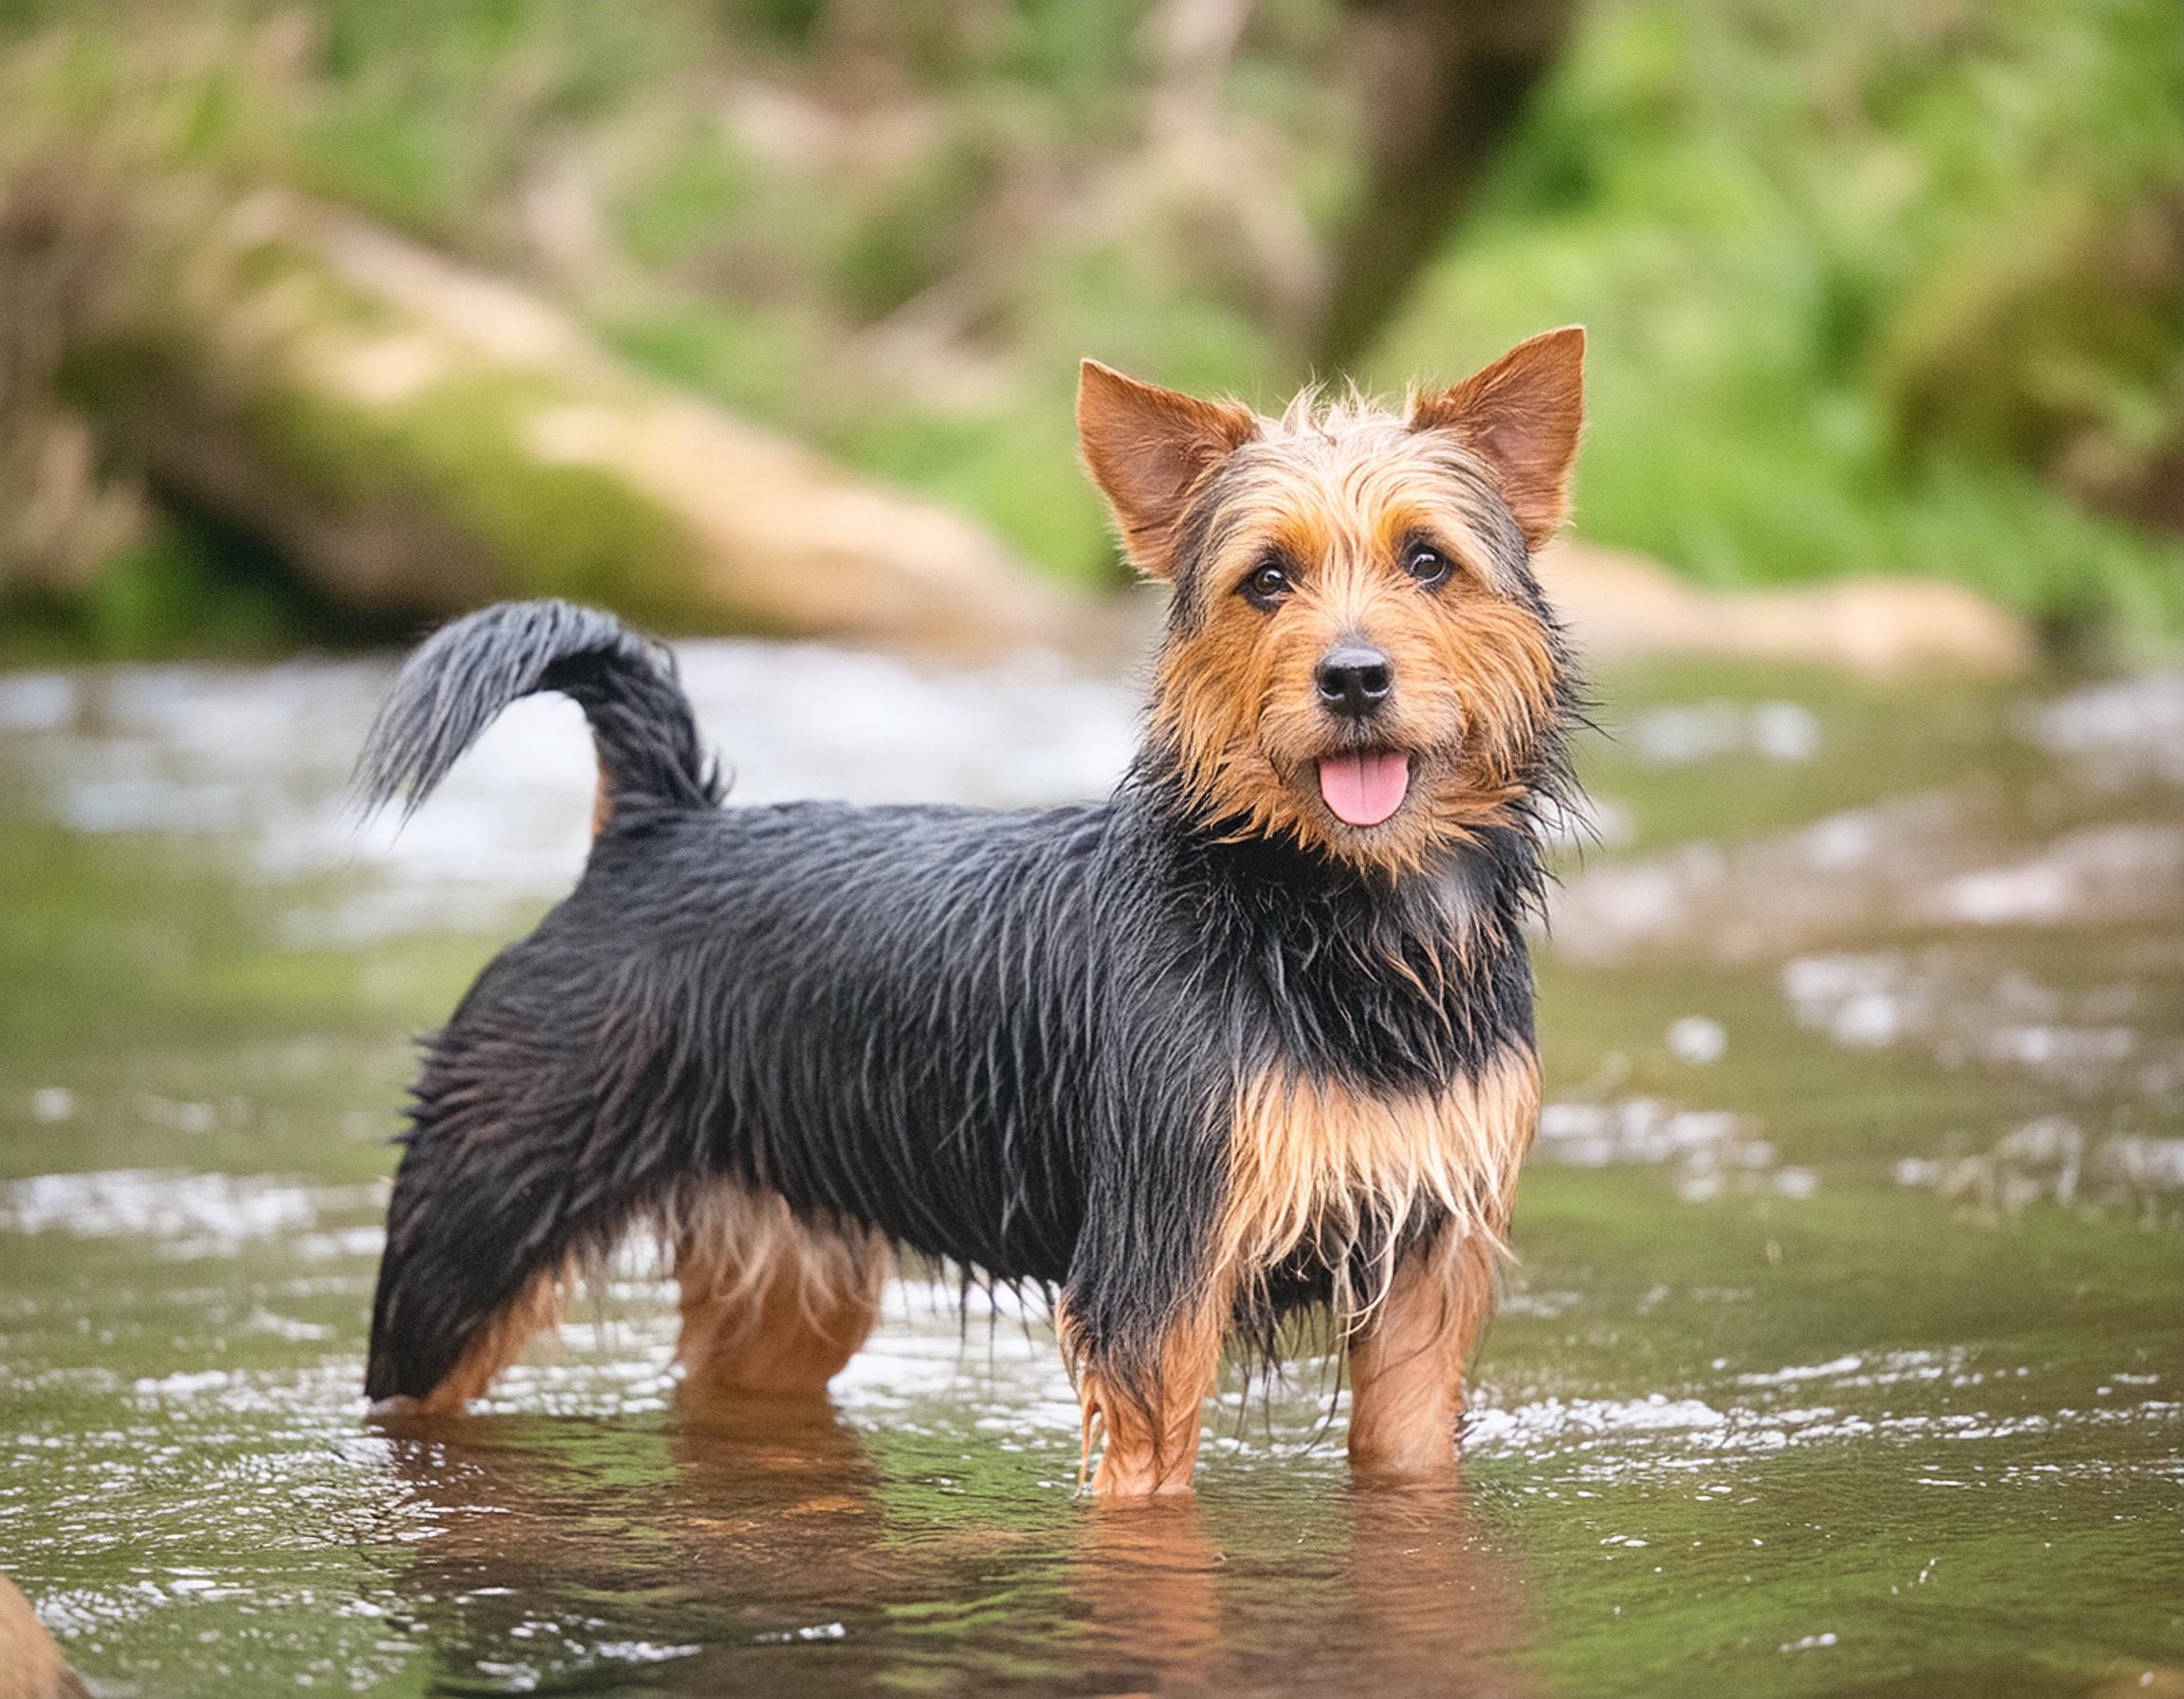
x=1428 y=564
x=1268 y=584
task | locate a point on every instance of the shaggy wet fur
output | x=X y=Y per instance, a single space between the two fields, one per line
x=1192 y=1058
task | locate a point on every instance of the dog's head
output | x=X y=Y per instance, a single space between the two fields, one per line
x=1358 y=655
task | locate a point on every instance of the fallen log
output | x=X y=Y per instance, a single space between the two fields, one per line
x=414 y=438
x=1622 y=606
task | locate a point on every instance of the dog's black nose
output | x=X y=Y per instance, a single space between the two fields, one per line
x=1353 y=679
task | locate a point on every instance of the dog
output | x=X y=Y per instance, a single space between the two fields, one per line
x=1252 y=1037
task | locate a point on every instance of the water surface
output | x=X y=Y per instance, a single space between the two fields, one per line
x=1845 y=1353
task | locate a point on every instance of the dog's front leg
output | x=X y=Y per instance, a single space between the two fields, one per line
x=1407 y=1363
x=1142 y=1397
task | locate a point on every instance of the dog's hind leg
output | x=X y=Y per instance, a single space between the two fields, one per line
x=497 y=1343
x=522 y=1169
x=465 y=1283
x=771 y=1303
x=485 y=1233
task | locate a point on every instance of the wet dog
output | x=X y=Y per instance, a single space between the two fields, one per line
x=1252 y=1036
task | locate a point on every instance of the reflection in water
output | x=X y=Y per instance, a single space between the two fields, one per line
x=1403 y=1597
x=759 y=1546
x=711 y=1541
x=1439 y=1600
x=1146 y=1582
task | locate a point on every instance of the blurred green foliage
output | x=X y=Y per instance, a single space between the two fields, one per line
x=1796 y=233
x=1889 y=285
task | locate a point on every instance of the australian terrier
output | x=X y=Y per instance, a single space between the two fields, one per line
x=1254 y=1036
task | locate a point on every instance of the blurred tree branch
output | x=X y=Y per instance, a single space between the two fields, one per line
x=60 y=518
x=1446 y=82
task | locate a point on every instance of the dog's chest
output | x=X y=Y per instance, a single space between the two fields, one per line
x=1315 y=1161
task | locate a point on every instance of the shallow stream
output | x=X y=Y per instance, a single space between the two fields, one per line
x=1847 y=1352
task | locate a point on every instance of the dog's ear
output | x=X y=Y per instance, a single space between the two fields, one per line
x=1523 y=414
x=1146 y=448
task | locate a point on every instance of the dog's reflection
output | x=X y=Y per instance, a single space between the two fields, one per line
x=738 y=1500
x=1398 y=1592
x=760 y=1545
x=1440 y=1603
x=1145 y=1581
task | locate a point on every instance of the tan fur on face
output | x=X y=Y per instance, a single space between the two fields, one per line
x=1312 y=1163
x=1337 y=497
x=1203 y=492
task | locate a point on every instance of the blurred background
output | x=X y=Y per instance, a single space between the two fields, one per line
x=1843 y=1355
x=318 y=320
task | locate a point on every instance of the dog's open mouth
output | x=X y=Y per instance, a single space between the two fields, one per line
x=1363 y=787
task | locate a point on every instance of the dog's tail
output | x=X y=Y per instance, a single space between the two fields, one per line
x=464 y=674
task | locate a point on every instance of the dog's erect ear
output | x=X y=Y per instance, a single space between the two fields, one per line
x=1146 y=448
x=1523 y=414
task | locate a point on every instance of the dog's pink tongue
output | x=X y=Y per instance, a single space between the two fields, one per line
x=1364 y=789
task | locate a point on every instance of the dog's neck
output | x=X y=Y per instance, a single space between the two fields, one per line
x=1494 y=878
x=1389 y=979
